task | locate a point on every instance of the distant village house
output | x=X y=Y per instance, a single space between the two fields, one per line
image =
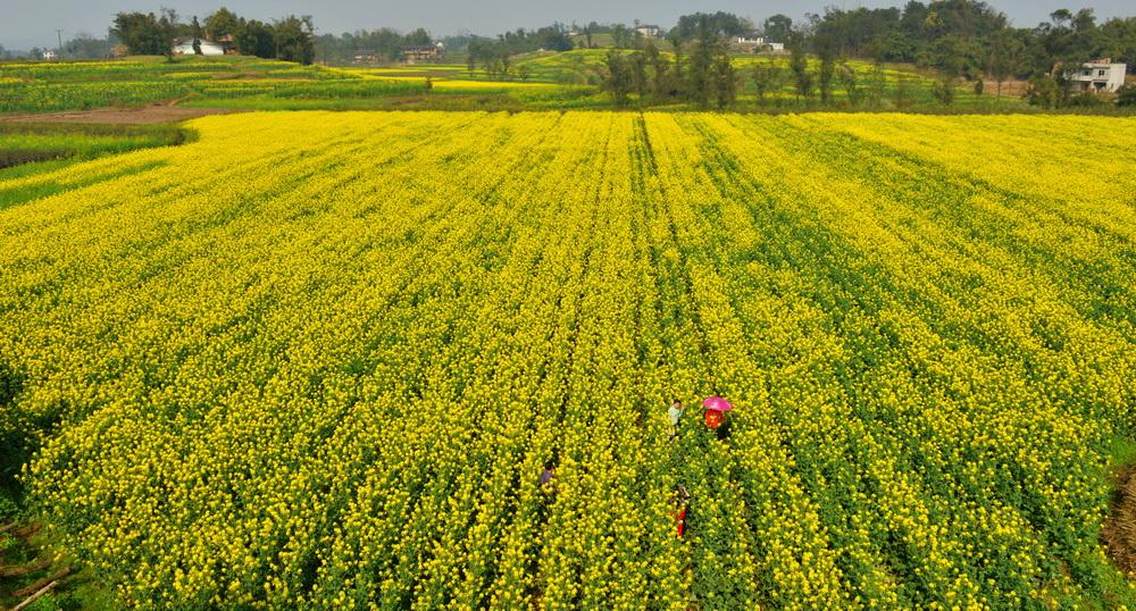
x=750 y=43
x=649 y=31
x=208 y=47
x=1099 y=76
x=754 y=43
x=366 y=56
x=50 y=55
x=423 y=53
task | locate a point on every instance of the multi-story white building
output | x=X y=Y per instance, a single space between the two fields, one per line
x=1099 y=75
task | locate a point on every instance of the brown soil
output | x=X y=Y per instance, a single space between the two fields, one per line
x=1119 y=531
x=156 y=113
x=1009 y=88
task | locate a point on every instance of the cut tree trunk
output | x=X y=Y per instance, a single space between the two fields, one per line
x=20 y=571
x=31 y=599
x=35 y=587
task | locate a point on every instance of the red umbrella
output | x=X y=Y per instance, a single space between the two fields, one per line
x=717 y=404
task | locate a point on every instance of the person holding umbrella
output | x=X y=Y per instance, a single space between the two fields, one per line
x=714 y=411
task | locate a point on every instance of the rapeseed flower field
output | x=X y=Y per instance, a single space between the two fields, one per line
x=319 y=359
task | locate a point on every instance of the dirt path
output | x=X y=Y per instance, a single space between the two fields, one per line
x=156 y=113
x=1119 y=532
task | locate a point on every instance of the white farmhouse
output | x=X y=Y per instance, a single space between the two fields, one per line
x=1099 y=75
x=208 y=47
x=50 y=55
x=649 y=31
x=749 y=43
x=753 y=43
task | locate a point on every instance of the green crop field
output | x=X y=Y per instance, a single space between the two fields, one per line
x=569 y=80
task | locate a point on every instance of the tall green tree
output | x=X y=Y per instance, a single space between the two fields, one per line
x=1004 y=56
x=943 y=89
x=850 y=82
x=663 y=79
x=637 y=64
x=876 y=85
x=768 y=77
x=725 y=82
x=799 y=65
x=699 y=78
x=256 y=38
x=222 y=22
x=145 y=33
x=619 y=80
x=826 y=51
x=195 y=27
x=621 y=36
x=691 y=26
x=777 y=28
x=292 y=37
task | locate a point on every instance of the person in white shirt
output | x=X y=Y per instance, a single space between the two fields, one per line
x=675 y=414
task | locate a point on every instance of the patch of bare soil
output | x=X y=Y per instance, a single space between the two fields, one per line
x=155 y=113
x=1010 y=89
x=1119 y=531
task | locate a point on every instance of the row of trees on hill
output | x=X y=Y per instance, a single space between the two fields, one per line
x=700 y=72
x=494 y=55
x=385 y=44
x=290 y=38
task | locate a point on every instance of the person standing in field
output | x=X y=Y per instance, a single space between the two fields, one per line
x=681 y=501
x=547 y=474
x=674 y=413
x=714 y=410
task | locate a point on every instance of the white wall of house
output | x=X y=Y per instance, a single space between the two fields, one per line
x=207 y=48
x=1100 y=76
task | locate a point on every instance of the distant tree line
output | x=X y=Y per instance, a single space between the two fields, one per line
x=494 y=55
x=385 y=44
x=290 y=38
x=972 y=41
x=700 y=71
x=961 y=40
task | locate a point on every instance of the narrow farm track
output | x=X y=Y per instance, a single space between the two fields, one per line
x=319 y=359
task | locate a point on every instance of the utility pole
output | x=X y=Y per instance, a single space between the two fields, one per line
x=59 y=34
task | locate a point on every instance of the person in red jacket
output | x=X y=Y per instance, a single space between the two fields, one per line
x=681 y=501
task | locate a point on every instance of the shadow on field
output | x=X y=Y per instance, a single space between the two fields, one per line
x=11 y=437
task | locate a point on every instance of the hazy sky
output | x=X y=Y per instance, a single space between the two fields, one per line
x=28 y=23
